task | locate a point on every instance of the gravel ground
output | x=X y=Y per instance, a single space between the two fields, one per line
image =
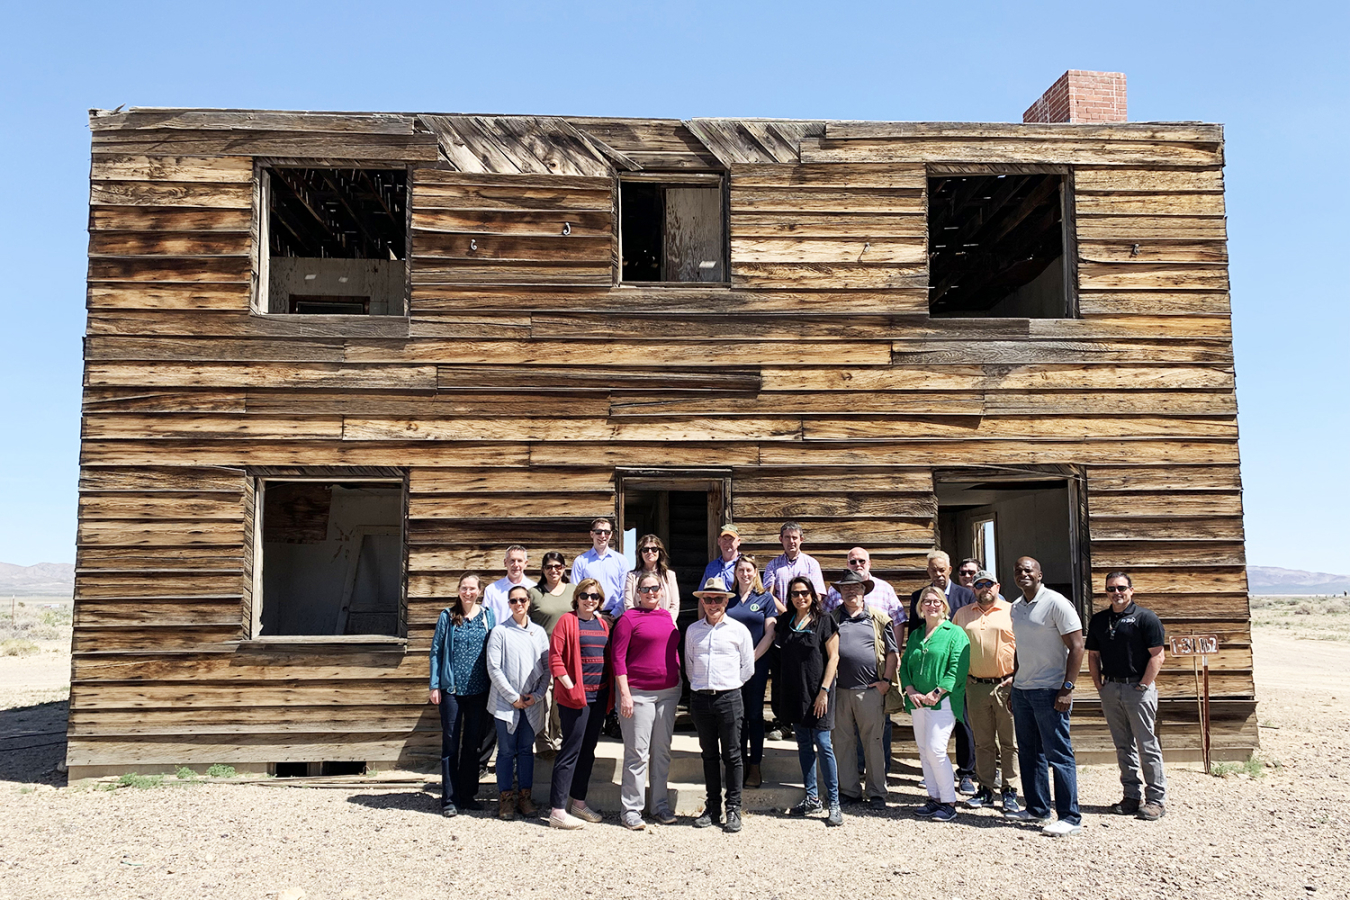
x=1283 y=834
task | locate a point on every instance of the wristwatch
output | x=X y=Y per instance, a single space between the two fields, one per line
x=1066 y=686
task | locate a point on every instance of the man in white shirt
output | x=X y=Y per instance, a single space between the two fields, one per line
x=605 y=564
x=719 y=656
x=494 y=598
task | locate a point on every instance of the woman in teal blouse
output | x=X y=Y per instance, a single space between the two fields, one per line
x=933 y=677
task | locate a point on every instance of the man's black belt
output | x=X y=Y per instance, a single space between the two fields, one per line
x=1112 y=679
x=999 y=680
x=711 y=693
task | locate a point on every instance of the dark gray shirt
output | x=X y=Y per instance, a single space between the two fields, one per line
x=857 y=649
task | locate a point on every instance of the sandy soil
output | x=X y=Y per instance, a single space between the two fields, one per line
x=1285 y=834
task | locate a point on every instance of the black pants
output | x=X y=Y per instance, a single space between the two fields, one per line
x=717 y=718
x=965 y=747
x=462 y=723
x=572 y=766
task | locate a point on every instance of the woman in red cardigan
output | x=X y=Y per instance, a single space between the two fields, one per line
x=579 y=659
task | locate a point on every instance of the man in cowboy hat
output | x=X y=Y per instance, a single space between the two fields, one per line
x=867 y=661
x=719 y=655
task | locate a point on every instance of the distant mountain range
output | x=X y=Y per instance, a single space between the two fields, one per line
x=43 y=579
x=1270 y=580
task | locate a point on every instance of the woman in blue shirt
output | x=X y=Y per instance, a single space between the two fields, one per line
x=459 y=689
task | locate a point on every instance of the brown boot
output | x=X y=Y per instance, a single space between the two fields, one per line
x=506 y=805
x=525 y=804
x=753 y=778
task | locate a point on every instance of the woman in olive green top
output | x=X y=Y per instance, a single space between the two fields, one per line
x=550 y=600
x=933 y=677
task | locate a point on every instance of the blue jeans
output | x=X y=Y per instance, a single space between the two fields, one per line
x=462 y=721
x=515 y=751
x=809 y=740
x=1043 y=740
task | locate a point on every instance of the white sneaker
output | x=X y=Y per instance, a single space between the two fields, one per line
x=1061 y=828
x=566 y=820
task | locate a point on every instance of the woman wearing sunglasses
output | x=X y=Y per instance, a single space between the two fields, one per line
x=459 y=690
x=646 y=662
x=517 y=663
x=550 y=600
x=579 y=660
x=808 y=646
x=652 y=559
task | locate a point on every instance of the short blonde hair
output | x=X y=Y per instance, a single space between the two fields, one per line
x=936 y=592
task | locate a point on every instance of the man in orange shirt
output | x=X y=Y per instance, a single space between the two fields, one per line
x=988 y=624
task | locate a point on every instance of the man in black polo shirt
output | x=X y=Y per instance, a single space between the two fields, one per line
x=1125 y=654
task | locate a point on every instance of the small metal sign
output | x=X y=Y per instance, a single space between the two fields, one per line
x=1194 y=644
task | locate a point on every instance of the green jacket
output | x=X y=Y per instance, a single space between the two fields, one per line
x=940 y=660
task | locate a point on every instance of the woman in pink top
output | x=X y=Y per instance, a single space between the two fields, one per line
x=646 y=659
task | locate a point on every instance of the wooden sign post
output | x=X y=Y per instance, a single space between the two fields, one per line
x=1199 y=645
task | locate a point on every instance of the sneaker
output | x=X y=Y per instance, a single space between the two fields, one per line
x=632 y=821
x=1126 y=807
x=1152 y=812
x=704 y=821
x=808 y=807
x=1026 y=817
x=774 y=734
x=584 y=813
x=983 y=797
x=566 y=820
x=946 y=812
x=665 y=816
x=928 y=809
x=877 y=803
x=733 y=822
x=966 y=787
x=1011 y=808
x=836 y=817
x=449 y=811
x=1061 y=828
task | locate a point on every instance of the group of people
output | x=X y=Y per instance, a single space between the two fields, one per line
x=545 y=663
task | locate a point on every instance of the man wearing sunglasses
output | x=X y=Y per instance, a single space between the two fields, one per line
x=603 y=563
x=719 y=655
x=1125 y=655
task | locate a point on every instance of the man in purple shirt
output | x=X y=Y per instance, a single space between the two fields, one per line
x=793 y=562
x=724 y=566
x=605 y=564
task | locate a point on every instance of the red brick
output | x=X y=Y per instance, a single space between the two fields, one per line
x=1081 y=96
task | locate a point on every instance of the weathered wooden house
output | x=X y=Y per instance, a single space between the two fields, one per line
x=334 y=360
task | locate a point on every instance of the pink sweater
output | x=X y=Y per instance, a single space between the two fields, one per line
x=645 y=647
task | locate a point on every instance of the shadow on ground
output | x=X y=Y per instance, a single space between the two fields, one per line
x=33 y=743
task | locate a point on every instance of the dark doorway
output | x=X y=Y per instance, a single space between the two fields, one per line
x=680 y=520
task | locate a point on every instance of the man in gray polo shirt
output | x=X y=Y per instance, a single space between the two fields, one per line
x=867 y=661
x=1049 y=636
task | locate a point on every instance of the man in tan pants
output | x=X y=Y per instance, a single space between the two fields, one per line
x=988 y=624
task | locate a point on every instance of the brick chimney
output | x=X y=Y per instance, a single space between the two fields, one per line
x=1089 y=97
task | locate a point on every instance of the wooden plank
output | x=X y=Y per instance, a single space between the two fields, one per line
x=164 y=478
x=216 y=269
x=321 y=148
x=1030 y=133
x=213 y=348
x=793 y=200
x=159 y=557
x=511 y=272
x=1177 y=554
x=139 y=118
x=1145 y=276
x=1150 y=228
x=973 y=376
x=567 y=353
x=544 y=378
x=1105 y=328
x=835 y=506
x=594 y=430
x=232 y=323
x=298 y=453
x=1154 y=303
x=792 y=482
x=122 y=753
x=161 y=533
x=428 y=300
x=1087 y=178
x=1147 y=478
x=1190 y=580
x=1068 y=152
x=169 y=296
x=140 y=611
x=1165 y=529
x=842 y=532
x=131 y=400
x=555 y=505
x=1058 y=352
x=647 y=455
x=159 y=243
x=834 y=276
x=178 y=194
x=748 y=225
x=166 y=426
x=196 y=170
x=161 y=505
x=827 y=250
x=579 y=223
x=537 y=479
x=1025 y=428
x=244 y=375
x=1153 y=251
x=497 y=193
x=484 y=246
x=1002 y=454
x=835 y=175
x=1149 y=204
x=167 y=218
x=397 y=404
x=720 y=327
x=853 y=404
x=1170 y=503
x=252 y=666
x=1115 y=403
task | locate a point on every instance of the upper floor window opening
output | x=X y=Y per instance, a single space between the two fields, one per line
x=672 y=228
x=335 y=241
x=1001 y=245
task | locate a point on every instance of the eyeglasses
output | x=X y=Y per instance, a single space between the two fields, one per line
x=715 y=601
x=650 y=589
x=514 y=600
x=799 y=593
x=601 y=531
x=588 y=596
x=553 y=567
x=857 y=562
x=651 y=549
x=1117 y=588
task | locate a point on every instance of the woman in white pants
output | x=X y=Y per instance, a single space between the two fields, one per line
x=646 y=660
x=933 y=677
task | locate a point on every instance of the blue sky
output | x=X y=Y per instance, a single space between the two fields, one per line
x=1276 y=77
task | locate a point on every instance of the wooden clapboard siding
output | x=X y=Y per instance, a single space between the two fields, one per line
x=524 y=376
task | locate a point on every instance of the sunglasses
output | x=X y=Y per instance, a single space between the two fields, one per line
x=588 y=596
x=984 y=584
x=651 y=550
x=800 y=594
x=514 y=600
x=856 y=562
x=552 y=566
x=716 y=601
x=649 y=589
x=600 y=531
x=1116 y=588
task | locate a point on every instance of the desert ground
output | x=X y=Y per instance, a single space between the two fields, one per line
x=1279 y=829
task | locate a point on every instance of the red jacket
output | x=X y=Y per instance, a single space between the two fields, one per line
x=564 y=658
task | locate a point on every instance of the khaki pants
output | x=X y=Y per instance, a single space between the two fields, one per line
x=995 y=743
x=859 y=716
x=551 y=734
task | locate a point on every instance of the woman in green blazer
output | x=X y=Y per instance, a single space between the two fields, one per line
x=933 y=678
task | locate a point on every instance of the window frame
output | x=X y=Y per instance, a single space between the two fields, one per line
x=698 y=178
